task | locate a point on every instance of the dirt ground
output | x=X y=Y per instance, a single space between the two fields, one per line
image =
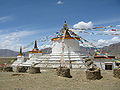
x=48 y=80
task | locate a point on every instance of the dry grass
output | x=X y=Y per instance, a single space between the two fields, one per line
x=48 y=80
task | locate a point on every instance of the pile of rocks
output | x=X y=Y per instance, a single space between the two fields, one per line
x=7 y=69
x=93 y=74
x=116 y=73
x=33 y=70
x=64 y=72
x=20 y=69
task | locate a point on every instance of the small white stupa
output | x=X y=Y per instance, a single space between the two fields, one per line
x=19 y=61
x=34 y=55
x=35 y=52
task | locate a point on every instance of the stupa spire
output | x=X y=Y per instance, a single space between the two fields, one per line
x=66 y=33
x=35 y=49
x=65 y=27
x=20 y=53
x=35 y=45
x=20 y=50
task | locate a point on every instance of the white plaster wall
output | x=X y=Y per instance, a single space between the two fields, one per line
x=71 y=46
x=102 y=65
x=34 y=55
x=20 y=58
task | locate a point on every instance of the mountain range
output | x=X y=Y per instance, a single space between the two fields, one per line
x=113 y=49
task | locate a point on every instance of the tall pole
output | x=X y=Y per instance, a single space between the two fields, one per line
x=62 y=61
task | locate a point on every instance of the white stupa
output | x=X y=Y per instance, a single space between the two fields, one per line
x=65 y=50
x=34 y=55
x=35 y=52
x=19 y=61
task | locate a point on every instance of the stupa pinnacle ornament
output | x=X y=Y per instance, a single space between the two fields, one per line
x=65 y=26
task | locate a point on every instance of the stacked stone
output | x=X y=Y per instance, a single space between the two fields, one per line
x=64 y=72
x=93 y=74
x=7 y=69
x=116 y=73
x=33 y=70
x=20 y=69
x=1 y=68
x=88 y=62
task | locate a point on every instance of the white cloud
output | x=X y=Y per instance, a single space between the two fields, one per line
x=83 y=25
x=118 y=25
x=110 y=32
x=5 y=19
x=12 y=40
x=102 y=42
x=60 y=2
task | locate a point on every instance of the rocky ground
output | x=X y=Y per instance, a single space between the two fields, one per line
x=48 y=80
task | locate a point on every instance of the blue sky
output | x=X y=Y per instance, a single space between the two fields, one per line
x=34 y=19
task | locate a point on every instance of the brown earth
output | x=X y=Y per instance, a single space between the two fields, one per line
x=7 y=60
x=48 y=80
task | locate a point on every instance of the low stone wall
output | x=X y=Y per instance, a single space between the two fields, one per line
x=116 y=73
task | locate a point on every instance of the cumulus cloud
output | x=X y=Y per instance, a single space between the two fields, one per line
x=102 y=42
x=5 y=19
x=12 y=40
x=60 y=2
x=83 y=25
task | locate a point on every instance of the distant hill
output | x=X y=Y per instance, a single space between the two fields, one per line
x=10 y=53
x=83 y=50
x=113 y=49
x=7 y=53
x=46 y=50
